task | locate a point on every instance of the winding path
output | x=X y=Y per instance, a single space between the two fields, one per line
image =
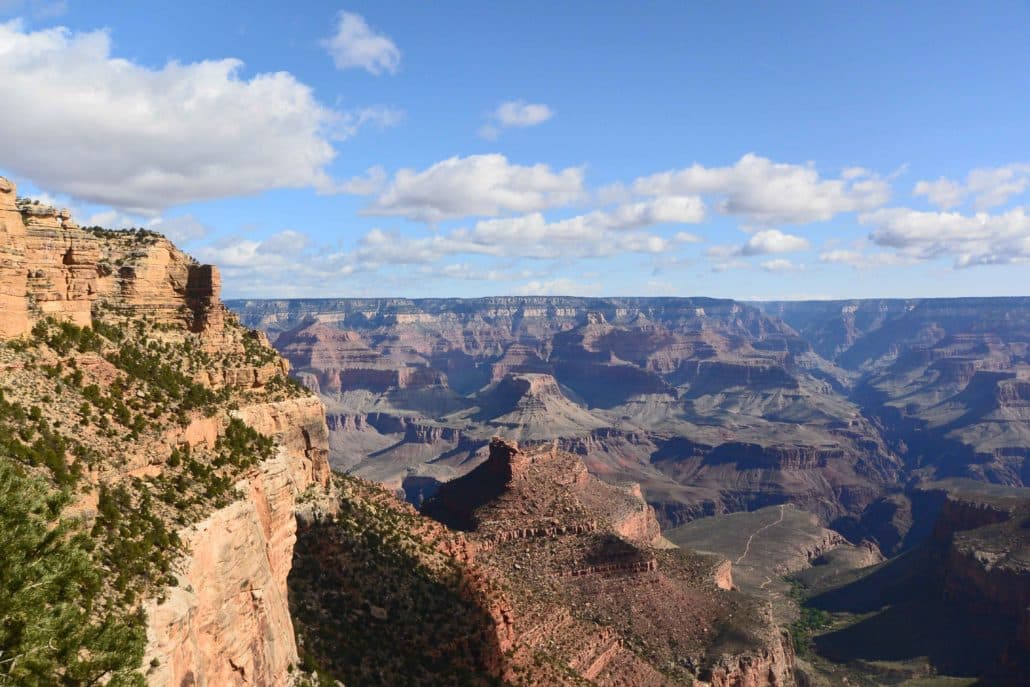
x=756 y=532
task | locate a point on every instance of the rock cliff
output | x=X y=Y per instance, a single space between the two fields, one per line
x=227 y=620
x=187 y=445
x=595 y=587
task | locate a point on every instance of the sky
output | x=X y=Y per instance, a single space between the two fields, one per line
x=748 y=150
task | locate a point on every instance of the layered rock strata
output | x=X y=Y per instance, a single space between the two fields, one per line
x=152 y=392
x=594 y=585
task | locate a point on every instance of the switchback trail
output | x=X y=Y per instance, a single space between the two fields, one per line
x=747 y=547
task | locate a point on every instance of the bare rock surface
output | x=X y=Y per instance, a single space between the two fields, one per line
x=188 y=445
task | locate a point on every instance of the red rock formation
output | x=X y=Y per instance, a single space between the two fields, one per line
x=588 y=582
x=14 y=316
x=50 y=267
x=226 y=621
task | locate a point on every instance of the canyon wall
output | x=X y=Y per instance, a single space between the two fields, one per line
x=162 y=337
x=227 y=621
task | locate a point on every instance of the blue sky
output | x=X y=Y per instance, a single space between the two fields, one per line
x=748 y=150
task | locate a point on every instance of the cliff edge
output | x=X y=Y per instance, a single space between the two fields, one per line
x=171 y=447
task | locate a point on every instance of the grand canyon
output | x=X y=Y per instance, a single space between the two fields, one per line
x=865 y=418
x=583 y=344
x=510 y=490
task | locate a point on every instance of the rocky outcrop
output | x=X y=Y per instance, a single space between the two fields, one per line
x=189 y=419
x=227 y=621
x=756 y=669
x=589 y=578
x=50 y=267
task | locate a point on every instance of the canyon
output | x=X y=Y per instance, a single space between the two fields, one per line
x=712 y=405
x=833 y=442
x=527 y=571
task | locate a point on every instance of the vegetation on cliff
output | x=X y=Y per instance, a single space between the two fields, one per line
x=377 y=599
x=58 y=624
x=87 y=524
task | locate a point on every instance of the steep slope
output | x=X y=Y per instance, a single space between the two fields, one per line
x=532 y=572
x=947 y=380
x=149 y=420
x=967 y=586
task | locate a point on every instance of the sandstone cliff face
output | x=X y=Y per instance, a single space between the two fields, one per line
x=228 y=622
x=50 y=267
x=14 y=316
x=185 y=415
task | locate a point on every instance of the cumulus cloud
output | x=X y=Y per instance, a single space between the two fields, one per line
x=769 y=192
x=356 y=45
x=371 y=182
x=763 y=242
x=282 y=265
x=977 y=239
x=988 y=187
x=514 y=113
x=944 y=193
x=180 y=230
x=478 y=185
x=773 y=241
x=596 y=234
x=77 y=120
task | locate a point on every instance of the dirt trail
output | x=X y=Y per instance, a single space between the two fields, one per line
x=747 y=547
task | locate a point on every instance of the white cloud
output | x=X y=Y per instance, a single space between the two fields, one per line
x=773 y=241
x=978 y=239
x=478 y=185
x=514 y=113
x=861 y=260
x=110 y=219
x=597 y=234
x=282 y=265
x=520 y=113
x=562 y=286
x=768 y=192
x=470 y=272
x=79 y=121
x=179 y=230
x=988 y=186
x=371 y=182
x=761 y=243
x=355 y=45
x=944 y=193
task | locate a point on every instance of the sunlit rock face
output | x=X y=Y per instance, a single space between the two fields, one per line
x=226 y=619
